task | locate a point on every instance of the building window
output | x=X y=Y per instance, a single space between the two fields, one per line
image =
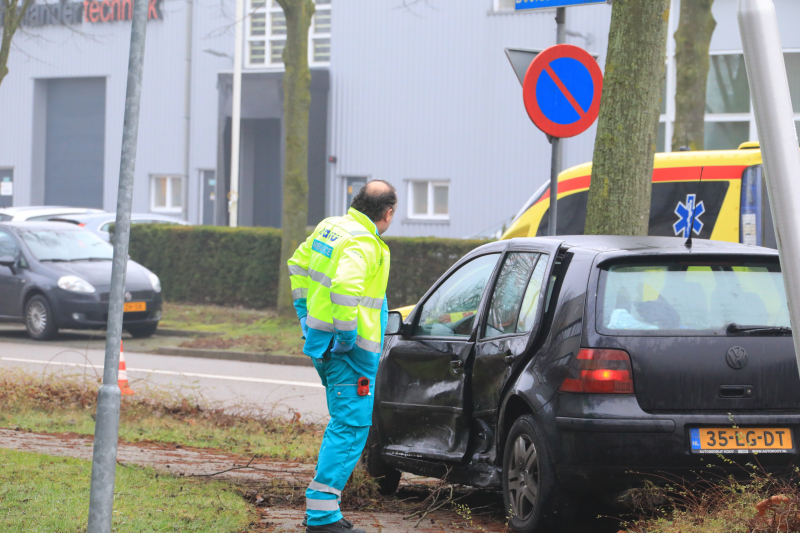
x=502 y=6
x=166 y=194
x=266 y=34
x=429 y=199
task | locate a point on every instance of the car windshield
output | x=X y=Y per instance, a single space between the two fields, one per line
x=55 y=245
x=690 y=298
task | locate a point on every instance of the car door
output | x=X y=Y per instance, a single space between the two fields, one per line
x=11 y=280
x=512 y=319
x=423 y=382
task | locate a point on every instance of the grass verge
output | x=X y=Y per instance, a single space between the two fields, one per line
x=42 y=494
x=239 y=329
x=764 y=504
x=66 y=403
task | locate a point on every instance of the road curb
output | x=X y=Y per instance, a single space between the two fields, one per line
x=248 y=357
x=166 y=332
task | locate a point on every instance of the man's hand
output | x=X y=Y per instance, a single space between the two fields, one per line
x=304 y=327
x=341 y=347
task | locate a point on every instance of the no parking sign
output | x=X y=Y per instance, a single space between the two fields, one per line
x=562 y=90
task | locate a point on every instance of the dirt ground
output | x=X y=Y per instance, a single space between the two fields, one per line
x=283 y=511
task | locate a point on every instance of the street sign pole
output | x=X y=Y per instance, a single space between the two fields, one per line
x=106 y=433
x=769 y=87
x=557 y=148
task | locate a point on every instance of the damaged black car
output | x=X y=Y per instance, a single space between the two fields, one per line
x=556 y=368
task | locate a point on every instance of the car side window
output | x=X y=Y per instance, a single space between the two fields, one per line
x=508 y=293
x=8 y=246
x=451 y=309
x=529 y=311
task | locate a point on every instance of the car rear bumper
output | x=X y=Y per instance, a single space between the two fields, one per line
x=88 y=311
x=607 y=441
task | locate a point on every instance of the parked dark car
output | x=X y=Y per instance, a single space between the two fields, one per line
x=556 y=367
x=57 y=275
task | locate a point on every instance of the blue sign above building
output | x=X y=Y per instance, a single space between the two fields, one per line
x=523 y=5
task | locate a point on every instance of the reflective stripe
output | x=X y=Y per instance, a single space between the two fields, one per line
x=322 y=505
x=320 y=278
x=319 y=487
x=345 y=325
x=295 y=270
x=370 y=346
x=299 y=293
x=344 y=299
x=319 y=324
x=371 y=303
x=357 y=233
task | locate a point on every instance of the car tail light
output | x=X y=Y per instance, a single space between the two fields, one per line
x=82 y=224
x=600 y=372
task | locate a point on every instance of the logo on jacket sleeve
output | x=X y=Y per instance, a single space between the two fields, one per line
x=322 y=248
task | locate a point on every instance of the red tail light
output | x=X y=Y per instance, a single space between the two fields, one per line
x=600 y=372
x=82 y=224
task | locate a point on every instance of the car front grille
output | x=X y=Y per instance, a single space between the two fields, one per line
x=136 y=296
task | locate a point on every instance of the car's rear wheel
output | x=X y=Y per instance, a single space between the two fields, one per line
x=387 y=477
x=533 y=498
x=142 y=331
x=39 y=320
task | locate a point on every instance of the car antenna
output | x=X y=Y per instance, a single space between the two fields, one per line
x=688 y=242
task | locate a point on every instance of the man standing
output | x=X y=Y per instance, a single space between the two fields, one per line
x=339 y=278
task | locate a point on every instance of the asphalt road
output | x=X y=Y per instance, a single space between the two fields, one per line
x=282 y=389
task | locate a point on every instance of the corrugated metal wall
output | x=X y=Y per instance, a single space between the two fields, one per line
x=427 y=93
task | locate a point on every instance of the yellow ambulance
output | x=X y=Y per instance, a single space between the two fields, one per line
x=725 y=189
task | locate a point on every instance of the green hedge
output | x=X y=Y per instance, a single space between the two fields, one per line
x=239 y=266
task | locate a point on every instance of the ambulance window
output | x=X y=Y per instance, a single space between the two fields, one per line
x=451 y=310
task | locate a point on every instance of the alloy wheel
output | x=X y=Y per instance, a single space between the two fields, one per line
x=523 y=478
x=37 y=317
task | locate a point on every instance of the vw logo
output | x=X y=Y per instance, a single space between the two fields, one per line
x=128 y=296
x=736 y=357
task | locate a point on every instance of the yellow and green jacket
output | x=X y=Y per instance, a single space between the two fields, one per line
x=339 y=276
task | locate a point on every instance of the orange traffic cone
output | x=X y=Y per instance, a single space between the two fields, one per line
x=123 y=373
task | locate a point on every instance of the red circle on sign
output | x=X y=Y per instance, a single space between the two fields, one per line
x=535 y=70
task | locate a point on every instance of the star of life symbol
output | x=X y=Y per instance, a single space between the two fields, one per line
x=684 y=212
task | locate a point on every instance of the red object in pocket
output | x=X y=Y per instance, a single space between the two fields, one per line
x=363 y=386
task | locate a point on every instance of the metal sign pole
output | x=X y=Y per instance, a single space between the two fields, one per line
x=557 y=149
x=769 y=86
x=104 y=458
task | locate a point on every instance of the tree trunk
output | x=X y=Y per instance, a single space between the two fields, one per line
x=622 y=170
x=692 y=41
x=296 y=105
x=11 y=14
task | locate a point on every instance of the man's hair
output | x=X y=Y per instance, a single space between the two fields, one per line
x=375 y=205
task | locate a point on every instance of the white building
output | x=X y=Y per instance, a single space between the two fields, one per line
x=420 y=94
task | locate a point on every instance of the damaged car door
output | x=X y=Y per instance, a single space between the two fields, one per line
x=422 y=402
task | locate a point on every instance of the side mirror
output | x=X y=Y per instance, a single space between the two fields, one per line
x=10 y=262
x=395 y=324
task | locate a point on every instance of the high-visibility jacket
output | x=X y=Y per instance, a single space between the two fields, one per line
x=339 y=276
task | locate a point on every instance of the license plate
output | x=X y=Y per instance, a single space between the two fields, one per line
x=741 y=440
x=132 y=307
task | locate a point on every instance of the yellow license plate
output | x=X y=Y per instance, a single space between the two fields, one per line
x=132 y=307
x=741 y=440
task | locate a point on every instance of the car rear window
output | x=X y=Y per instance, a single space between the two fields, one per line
x=690 y=297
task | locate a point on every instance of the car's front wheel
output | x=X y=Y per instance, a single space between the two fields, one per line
x=142 y=331
x=532 y=495
x=39 y=320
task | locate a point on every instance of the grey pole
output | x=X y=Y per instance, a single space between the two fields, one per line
x=104 y=458
x=769 y=87
x=557 y=149
x=187 y=113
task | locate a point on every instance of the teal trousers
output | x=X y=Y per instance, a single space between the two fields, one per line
x=344 y=439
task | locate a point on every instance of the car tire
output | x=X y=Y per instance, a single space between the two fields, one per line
x=142 y=331
x=532 y=496
x=387 y=477
x=39 y=319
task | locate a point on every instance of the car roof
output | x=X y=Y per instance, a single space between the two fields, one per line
x=40 y=225
x=88 y=217
x=32 y=211
x=621 y=245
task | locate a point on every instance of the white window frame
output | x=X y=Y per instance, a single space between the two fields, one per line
x=431 y=184
x=269 y=10
x=169 y=208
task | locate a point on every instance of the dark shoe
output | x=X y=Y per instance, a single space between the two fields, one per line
x=342 y=526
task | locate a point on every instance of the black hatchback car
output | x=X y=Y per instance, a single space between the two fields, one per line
x=57 y=275
x=554 y=367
